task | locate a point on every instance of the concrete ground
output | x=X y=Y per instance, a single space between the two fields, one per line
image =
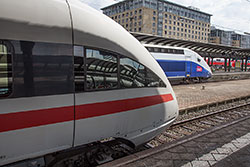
x=227 y=147
x=194 y=95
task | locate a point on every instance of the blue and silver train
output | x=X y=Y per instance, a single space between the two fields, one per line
x=180 y=63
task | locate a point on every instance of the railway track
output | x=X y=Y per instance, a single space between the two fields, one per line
x=199 y=123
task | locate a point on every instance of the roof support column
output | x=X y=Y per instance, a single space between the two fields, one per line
x=225 y=64
x=208 y=61
x=229 y=64
x=242 y=64
x=246 y=63
x=212 y=62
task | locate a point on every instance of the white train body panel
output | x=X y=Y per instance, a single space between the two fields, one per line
x=36 y=140
x=125 y=124
x=34 y=121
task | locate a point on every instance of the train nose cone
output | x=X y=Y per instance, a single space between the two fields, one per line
x=209 y=74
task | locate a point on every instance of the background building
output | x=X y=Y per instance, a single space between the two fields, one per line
x=219 y=36
x=160 y=17
x=229 y=37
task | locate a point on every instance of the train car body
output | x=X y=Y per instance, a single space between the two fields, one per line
x=72 y=76
x=180 y=63
x=220 y=63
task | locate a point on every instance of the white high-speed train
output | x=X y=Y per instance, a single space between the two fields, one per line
x=70 y=76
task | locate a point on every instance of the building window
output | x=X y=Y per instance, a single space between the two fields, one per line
x=5 y=70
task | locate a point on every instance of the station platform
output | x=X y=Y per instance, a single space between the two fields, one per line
x=227 y=147
x=195 y=95
x=226 y=76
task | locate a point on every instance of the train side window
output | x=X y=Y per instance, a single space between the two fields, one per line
x=79 y=68
x=102 y=70
x=132 y=74
x=152 y=80
x=135 y=75
x=5 y=71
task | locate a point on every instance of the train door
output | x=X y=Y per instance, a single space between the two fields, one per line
x=95 y=71
x=188 y=59
x=36 y=99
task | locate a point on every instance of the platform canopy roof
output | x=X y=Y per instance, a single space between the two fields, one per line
x=204 y=49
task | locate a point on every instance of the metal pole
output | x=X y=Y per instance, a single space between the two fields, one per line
x=242 y=64
x=229 y=68
x=212 y=62
x=225 y=64
x=246 y=64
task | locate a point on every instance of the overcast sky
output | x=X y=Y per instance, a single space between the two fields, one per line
x=233 y=14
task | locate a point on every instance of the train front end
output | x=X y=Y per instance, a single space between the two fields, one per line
x=147 y=103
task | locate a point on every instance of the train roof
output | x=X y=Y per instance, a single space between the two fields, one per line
x=166 y=47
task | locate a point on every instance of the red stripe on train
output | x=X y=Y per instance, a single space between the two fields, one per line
x=28 y=119
x=111 y=107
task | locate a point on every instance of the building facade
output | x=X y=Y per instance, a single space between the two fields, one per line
x=229 y=38
x=160 y=17
x=219 y=36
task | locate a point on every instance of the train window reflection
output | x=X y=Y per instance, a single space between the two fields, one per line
x=5 y=71
x=132 y=74
x=79 y=68
x=102 y=69
x=153 y=80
